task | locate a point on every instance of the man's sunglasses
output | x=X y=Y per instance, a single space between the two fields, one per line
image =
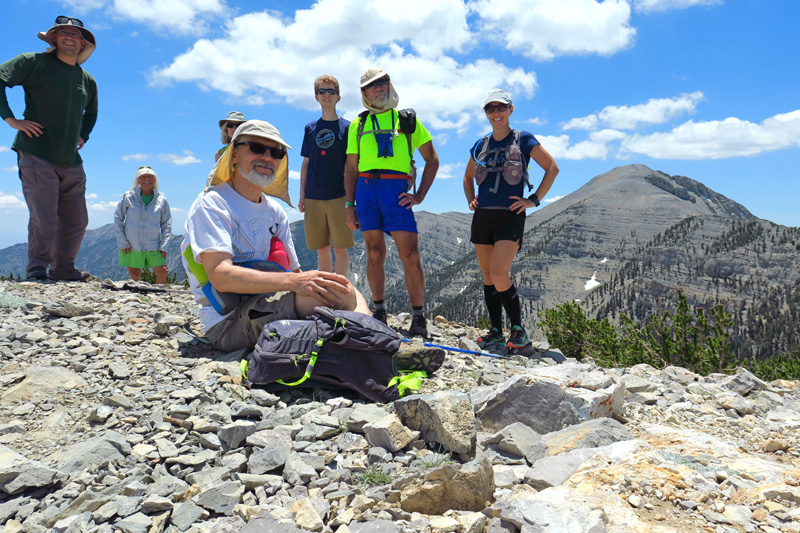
x=378 y=83
x=233 y=125
x=261 y=148
x=332 y=92
x=61 y=19
x=491 y=108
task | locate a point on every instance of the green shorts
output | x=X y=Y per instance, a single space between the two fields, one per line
x=136 y=259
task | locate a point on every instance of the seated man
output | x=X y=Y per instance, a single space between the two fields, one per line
x=233 y=222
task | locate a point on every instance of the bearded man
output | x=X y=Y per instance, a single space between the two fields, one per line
x=230 y=226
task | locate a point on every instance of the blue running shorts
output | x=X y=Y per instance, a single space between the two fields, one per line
x=378 y=205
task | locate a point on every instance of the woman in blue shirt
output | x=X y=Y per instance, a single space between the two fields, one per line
x=499 y=165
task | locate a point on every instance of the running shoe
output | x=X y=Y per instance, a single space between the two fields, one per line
x=493 y=339
x=419 y=326
x=379 y=314
x=414 y=358
x=519 y=339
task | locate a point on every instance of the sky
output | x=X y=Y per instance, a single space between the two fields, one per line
x=701 y=88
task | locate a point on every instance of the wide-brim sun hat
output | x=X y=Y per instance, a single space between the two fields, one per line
x=70 y=22
x=223 y=170
x=233 y=116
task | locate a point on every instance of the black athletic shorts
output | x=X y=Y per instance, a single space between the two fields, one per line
x=492 y=225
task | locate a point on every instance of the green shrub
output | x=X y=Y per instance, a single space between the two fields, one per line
x=688 y=338
x=149 y=276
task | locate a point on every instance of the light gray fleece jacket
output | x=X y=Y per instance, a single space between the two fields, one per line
x=142 y=228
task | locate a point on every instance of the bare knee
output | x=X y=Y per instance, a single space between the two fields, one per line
x=376 y=253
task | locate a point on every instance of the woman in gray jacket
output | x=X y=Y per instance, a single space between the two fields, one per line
x=143 y=227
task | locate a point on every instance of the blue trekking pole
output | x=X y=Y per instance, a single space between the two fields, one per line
x=450 y=348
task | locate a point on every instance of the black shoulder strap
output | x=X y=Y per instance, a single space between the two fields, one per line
x=363 y=118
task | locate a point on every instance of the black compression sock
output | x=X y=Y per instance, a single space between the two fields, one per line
x=510 y=300
x=494 y=305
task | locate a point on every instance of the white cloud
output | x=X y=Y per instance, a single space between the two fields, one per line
x=294 y=175
x=719 y=139
x=543 y=29
x=15 y=168
x=449 y=171
x=91 y=196
x=182 y=16
x=655 y=111
x=595 y=147
x=102 y=207
x=136 y=157
x=339 y=36
x=11 y=201
x=4 y=149
x=650 y=6
x=538 y=121
x=588 y=122
x=553 y=199
x=187 y=158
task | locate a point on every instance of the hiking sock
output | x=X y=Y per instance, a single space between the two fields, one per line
x=417 y=310
x=494 y=305
x=378 y=305
x=510 y=300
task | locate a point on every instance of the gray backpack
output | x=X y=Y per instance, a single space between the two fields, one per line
x=329 y=349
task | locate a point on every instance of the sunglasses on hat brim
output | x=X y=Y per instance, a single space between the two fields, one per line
x=63 y=19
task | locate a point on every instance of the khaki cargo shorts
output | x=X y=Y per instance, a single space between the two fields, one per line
x=326 y=224
x=241 y=328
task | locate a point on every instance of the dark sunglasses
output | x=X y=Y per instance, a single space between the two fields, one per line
x=260 y=149
x=62 y=19
x=378 y=83
x=333 y=92
x=491 y=108
x=232 y=125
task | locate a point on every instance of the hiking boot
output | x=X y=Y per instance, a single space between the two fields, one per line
x=419 y=326
x=410 y=358
x=72 y=274
x=492 y=340
x=519 y=339
x=379 y=314
x=36 y=274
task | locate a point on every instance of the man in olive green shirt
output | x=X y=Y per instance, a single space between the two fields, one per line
x=60 y=113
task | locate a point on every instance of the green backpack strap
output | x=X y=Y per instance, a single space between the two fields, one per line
x=309 y=368
x=408 y=382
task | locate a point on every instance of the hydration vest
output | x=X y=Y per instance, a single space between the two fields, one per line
x=407 y=119
x=513 y=168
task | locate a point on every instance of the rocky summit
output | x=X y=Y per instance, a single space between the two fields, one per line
x=114 y=418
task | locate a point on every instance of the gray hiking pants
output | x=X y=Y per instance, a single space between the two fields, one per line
x=56 y=198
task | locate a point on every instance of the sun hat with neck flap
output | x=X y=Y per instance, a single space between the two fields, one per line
x=223 y=170
x=70 y=22
x=372 y=74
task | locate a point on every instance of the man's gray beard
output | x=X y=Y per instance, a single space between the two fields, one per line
x=262 y=180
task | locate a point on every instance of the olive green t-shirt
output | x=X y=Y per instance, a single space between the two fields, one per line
x=60 y=97
x=368 y=151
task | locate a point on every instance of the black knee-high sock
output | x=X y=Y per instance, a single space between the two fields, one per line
x=494 y=305
x=510 y=300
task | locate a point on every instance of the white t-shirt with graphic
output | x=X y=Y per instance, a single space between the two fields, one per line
x=222 y=220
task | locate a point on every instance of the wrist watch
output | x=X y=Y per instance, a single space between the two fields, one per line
x=349 y=204
x=535 y=199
